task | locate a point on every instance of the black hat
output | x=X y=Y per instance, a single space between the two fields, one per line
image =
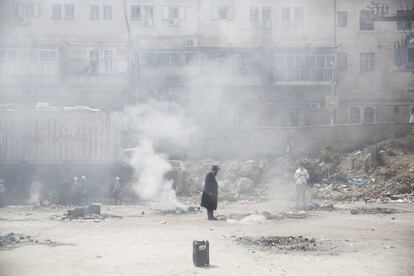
x=215 y=168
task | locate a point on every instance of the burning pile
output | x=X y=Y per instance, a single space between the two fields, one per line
x=298 y=243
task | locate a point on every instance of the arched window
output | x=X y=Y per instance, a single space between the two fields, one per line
x=369 y=115
x=355 y=115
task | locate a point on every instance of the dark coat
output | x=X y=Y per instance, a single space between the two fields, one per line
x=210 y=193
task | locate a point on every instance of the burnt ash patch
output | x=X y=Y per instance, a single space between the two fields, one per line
x=291 y=243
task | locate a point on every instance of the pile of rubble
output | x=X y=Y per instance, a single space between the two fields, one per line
x=298 y=243
x=238 y=179
x=381 y=172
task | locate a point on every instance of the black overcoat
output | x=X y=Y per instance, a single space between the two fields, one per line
x=210 y=193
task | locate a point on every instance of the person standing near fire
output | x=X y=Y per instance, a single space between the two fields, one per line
x=209 y=197
x=301 y=179
x=116 y=190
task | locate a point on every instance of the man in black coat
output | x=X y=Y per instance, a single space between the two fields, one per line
x=210 y=193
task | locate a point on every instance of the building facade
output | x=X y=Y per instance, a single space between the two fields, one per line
x=264 y=63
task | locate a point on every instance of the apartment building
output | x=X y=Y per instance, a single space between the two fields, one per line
x=281 y=62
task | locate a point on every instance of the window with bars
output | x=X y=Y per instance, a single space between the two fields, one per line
x=107 y=13
x=367 y=62
x=304 y=64
x=366 y=21
x=355 y=115
x=94 y=12
x=56 y=13
x=254 y=14
x=405 y=22
x=135 y=12
x=342 y=63
x=342 y=19
x=222 y=13
x=293 y=14
x=69 y=12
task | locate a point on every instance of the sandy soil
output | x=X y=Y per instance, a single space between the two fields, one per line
x=140 y=244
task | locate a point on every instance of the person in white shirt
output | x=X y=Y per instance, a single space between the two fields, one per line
x=301 y=178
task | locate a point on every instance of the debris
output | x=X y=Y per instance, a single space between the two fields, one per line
x=379 y=210
x=163 y=222
x=318 y=207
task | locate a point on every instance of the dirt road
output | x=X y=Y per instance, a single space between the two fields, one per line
x=157 y=244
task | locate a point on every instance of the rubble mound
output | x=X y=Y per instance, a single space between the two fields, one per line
x=380 y=171
x=298 y=243
x=238 y=179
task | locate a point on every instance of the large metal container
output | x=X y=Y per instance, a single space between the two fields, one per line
x=52 y=137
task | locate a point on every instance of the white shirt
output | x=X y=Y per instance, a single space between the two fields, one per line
x=301 y=176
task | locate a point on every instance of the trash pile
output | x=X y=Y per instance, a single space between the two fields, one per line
x=383 y=172
x=12 y=239
x=298 y=243
x=91 y=212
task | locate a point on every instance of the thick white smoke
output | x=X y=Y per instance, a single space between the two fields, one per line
x=155 y=127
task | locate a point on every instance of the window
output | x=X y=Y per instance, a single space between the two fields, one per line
x=404 y=24
x=56 y=12
x=222 y=13
x=293 y=14
x=286 y=14
x=169 y=58
x=266 y=14
x=355 y=115
x=136 y=13
x=254 y=15
x=342 y=19
x=107 y=13
x=69 y=12
x=366 y=21
x=108 y=61
x=299 y=14
x=93 y=61
x=94 y=12
x=369 y=115
x=29 y=9
x=18 y=10
x=367 y=62
x=342 y=63
x=148 y=15
x=410 y=50
x=304 y=64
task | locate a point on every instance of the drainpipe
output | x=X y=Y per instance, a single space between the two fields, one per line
x=333 y=83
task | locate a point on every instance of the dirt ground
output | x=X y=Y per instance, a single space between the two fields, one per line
x=152 y=243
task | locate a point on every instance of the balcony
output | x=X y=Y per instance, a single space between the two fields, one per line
x=169 y=63
x=305 y=66
x=96 y=62
x=29 y=63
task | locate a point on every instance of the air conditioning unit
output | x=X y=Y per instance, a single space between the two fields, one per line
x=173 y=22
x=266 y=24
x=191 y=42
